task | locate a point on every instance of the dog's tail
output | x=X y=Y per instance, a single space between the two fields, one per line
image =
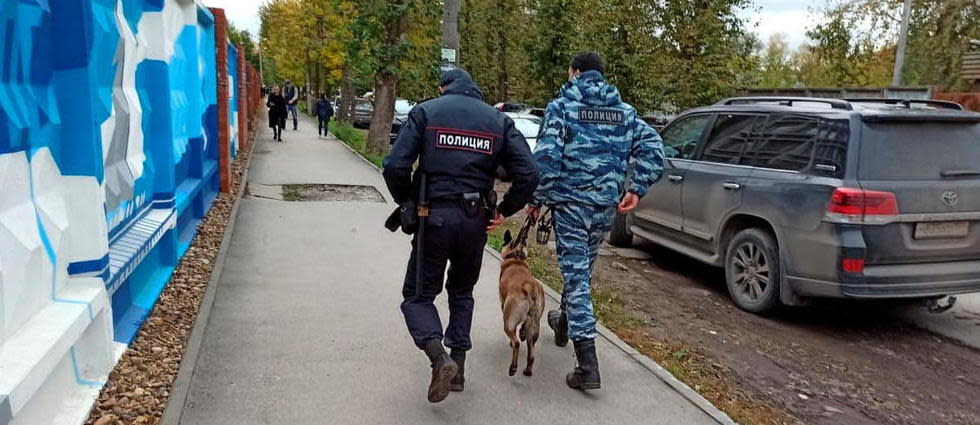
x=532 y=324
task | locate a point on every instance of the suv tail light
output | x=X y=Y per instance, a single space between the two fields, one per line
x=858 y=206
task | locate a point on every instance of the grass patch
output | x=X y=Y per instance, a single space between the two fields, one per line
x=357 y=141
x=291 y=192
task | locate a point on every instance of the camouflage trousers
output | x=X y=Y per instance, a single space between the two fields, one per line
x=579 y=231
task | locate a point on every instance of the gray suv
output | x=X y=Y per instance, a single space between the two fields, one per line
x=805 y=197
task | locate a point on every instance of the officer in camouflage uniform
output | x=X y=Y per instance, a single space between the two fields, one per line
x=587 y=140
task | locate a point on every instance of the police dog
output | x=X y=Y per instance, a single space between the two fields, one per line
x=521 y=299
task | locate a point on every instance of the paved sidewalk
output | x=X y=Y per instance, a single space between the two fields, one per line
x=306 y=328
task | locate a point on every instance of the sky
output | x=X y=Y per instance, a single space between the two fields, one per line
x=790 y=17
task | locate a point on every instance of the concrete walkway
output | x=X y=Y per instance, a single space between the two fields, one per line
x=305 y=327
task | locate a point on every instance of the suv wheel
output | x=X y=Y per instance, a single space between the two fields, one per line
x=620 y=234
x=752 y=271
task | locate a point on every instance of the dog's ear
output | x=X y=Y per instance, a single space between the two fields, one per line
x=507 y=238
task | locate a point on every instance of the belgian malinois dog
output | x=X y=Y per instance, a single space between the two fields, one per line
x=521 y=299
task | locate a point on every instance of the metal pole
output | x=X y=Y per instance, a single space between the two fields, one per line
x=903 y=37
x=450 y=26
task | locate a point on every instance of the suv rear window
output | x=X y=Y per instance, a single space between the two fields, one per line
x=800 y=143
x=917 y=150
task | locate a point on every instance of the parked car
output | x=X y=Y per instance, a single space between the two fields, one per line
x=511 y=107
x=799 y=198
x=528 y=125
x=657 y=122
x=402 y=108
x=363 y=110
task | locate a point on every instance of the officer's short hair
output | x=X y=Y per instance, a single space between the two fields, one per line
x=588 y=61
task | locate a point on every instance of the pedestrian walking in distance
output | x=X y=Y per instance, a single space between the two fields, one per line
x=291 y=94
x=323 y=113
x=277 y=112
x=459 y=141
x=588 y=138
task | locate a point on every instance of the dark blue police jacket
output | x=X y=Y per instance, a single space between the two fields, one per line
x=461 y=141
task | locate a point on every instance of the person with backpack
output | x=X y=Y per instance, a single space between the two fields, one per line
x=291 y=94
x=324 y=110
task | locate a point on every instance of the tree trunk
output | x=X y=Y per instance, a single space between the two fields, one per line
x=385 y=88
x=345 y=109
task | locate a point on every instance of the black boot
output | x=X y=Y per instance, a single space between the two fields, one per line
x=295 y=123
x=558 y=322
x=443 y=371
x=459 y=357
x=586 y=374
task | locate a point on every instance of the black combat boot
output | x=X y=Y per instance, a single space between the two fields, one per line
x=558 y=322
x=586 y=374
x=443 y=371
x=459 y=357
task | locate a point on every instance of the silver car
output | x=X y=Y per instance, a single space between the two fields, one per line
x=799 y=198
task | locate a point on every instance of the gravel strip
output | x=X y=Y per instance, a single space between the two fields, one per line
x=139 y=385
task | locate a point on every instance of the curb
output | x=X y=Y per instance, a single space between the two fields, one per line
x=665 y=376
x=174 y=410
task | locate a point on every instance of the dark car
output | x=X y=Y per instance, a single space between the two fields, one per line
x=402 y=108
x=799 y=198
x=363 y=110
x=511 y=107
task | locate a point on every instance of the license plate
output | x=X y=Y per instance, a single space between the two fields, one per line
x=942 y=229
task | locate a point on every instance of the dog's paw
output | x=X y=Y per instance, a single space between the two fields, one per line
x=512 y=371
x=527 y=372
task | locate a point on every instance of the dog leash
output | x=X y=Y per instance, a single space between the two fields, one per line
x=543 y=224
x=521 y=238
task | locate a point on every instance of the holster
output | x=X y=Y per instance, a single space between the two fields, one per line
x=405 y=216
x=490 y=204
x=409 y=217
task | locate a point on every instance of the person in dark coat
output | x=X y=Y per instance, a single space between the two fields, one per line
x=323 y=113
x=458 y=142
x=277 y=113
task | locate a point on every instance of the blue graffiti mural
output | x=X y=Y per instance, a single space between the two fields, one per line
x=109 y=161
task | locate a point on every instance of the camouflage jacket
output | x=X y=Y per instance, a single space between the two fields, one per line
x=586 y=142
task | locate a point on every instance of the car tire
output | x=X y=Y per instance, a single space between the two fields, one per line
x=620 y=234
x=752 y=271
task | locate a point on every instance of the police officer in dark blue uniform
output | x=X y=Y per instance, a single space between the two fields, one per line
x=459 y=141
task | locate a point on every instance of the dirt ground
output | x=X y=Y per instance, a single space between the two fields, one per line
x=831 y=363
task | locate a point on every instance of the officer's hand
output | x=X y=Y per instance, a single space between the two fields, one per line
x=629 y=203
x=497 y=220
x=532 y=212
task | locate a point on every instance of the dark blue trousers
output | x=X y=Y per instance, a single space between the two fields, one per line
x=451 y=238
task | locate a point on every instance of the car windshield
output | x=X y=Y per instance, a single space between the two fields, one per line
x=403 y=106
x=528 y=127
x=363 y=105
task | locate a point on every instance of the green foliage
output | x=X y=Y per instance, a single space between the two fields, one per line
x=355 y=138
x=313 y=40
x=519 y=50
x=856 y=41
x=244 y=39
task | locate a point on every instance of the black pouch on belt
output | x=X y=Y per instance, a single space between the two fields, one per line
x=472 y=204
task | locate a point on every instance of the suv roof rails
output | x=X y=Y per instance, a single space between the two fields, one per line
x=787 y=101
x=907 y=103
